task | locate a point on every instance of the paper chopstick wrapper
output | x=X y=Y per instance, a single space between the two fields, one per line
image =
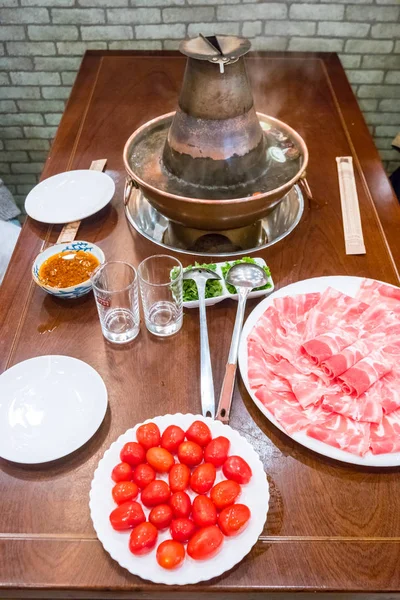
x=69 y=231
x=353 y=235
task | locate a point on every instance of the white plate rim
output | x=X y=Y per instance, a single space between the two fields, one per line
x=135 y=565
x=77 y=216
x=314 y=284
x=101 y=414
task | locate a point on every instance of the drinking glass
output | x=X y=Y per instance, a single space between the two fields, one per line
x=160 y=280
x=115 y=289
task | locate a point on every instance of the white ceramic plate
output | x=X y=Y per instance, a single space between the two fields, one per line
x=255 y=494
x=69 y=196
x=349 y=286
x=226 y=293
x=49 y=407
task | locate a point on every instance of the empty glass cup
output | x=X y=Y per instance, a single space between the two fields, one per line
x=160 y=280
x=117 y=298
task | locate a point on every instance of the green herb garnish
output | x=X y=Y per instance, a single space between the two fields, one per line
x=213 y=286
x=246 y=259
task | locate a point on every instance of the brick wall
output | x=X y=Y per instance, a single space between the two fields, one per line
x=42 y=42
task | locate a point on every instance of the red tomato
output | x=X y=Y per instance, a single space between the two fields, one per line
x=205 y=543
x=157 y=492
x=182 y=529
x=124 y=491
x=225 y=493
x=160 y=459
x=200 y=433
x=143 y=475
x=148 y=435
x=234 y=519
x=203 y=478
x=172 y=437
x=237 y=469
x=190 y=454
x=122 y=472
x=203 y=511
x=181 y=505
x=143 y=539
x=126 y=516
x=161 y=516
x=170 y=554
x=217 y=450
x=179 y=476
x=133 y=454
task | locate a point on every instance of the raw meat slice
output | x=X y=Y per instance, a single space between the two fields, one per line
x=261 y=370
x=365 y=408
x=371 y=290
x=328 y=344
x=287 y=411
x=293 y=311
x=332 y=309
x=360 y=377
x=341 y=362
x=343 y=433
x=388 y=389
x=385 y=437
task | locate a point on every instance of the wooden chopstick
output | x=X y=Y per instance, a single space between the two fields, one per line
x=69 y=231
x=353 y=234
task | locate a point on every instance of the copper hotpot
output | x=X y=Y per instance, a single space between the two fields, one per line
x=202 y=213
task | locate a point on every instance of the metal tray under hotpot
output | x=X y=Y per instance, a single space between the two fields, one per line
x=273 y=228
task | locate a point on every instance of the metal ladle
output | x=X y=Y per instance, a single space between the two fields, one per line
x=200 y=276
x=244 y=277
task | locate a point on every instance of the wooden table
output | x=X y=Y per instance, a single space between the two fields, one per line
x=331 y=527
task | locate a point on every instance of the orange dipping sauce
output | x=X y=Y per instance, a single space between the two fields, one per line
x=68 y=268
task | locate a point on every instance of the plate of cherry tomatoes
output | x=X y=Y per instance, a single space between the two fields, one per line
x=179 y=499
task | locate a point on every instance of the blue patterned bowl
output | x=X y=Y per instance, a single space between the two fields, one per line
x=74 y=291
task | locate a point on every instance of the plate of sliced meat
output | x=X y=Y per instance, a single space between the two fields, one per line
x=321 y=360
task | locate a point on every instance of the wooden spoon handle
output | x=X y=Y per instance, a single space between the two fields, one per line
x=225 y=398
x=69 y=231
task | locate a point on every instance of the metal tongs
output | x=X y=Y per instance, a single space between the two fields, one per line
x=200 y=276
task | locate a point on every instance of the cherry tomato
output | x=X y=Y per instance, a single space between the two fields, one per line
x=143 y=475
x=126 y=516
x=122 y=472
x=182 y=529
x=234 y=519
x=203 y=478
x=157 y=492
x=170 y=554
x=178 y=477
x=225 y=493
x=203 y=511
x=216 y=452
x=160 y=459
x=148 y=435
x=237 y=469
x=190 y=454
x=124 y=491
x=133 y=454
x=143 y=539
x=172 y=437
x=161 y=516
x=200 y=433
x=205 y=543
x=181 y=505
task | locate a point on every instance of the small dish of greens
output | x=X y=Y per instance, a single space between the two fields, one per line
x=216 y=291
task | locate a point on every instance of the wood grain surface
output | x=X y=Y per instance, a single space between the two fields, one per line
x=331 y=527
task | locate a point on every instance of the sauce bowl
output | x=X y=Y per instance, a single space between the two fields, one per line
x=74 y=291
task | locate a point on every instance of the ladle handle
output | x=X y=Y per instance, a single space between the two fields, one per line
x=228 y=385
x=206 y=378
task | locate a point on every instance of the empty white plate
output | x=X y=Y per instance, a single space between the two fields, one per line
x=69 y=196
x=49 y=407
